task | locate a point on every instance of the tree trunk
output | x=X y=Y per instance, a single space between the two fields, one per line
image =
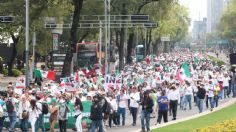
x=129 y=48
x=13 y=54
x=121 y=49
x=149 y=41
x=72 y=49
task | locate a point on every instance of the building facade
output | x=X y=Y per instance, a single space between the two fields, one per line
x=214 y=12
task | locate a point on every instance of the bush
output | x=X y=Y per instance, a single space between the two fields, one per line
x=5 y=72
x=216 y=60
x=23 y=71
x=16 y=72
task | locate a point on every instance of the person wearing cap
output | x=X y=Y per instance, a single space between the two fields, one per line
x=147 y=104
x=53 y=108
x=96 y=115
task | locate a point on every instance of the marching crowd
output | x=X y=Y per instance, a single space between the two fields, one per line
x=156 y=86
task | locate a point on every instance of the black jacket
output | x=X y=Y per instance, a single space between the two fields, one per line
x=201 y=93
x=148 y=102
x=96 y=111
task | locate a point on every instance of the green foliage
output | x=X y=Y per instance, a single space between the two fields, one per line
x=5 y=72
x=23 y=71
x=227 y=25
x=203 y=121
x=16 y=72
x=216 y=60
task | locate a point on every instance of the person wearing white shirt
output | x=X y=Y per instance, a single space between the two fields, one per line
x=23 y=108
x=122 y=100
x=40 y=120
x=188 y=96
x=174 y=97
x=226 y=85
x=134 y=99
x=211 y=94
x=33 y=114
x=113 y=115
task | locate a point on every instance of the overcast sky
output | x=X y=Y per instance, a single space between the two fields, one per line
x=197 y=8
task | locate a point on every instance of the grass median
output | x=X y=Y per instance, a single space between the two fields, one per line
x=200 y=122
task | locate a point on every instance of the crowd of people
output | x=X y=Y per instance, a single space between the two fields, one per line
x=158 y=86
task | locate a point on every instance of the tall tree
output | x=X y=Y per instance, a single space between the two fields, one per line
x=38 y=11
x=78 y=4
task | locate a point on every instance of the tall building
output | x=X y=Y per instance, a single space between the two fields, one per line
x=199 y=29
x=214 y=12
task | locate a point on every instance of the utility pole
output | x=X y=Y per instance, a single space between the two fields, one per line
x=109 y=34
x=33 y=59
x=106 y=32
x=100 y=44
x=27 y=43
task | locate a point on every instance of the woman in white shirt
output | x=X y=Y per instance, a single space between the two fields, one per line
x=24 y=106
x=113 y=115
x=33 y=114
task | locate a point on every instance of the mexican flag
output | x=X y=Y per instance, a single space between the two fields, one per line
x=185 y=69
x=37 y=73
x=196 y=60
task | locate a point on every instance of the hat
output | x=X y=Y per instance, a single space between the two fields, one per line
x=53 y=100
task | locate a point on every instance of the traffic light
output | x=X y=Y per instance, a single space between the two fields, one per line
x=6 y=19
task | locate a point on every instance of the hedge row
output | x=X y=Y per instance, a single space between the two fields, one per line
x=216 y=60
x=15 y=72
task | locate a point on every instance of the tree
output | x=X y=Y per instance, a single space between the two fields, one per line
x=73 y=38
x=227 y=26
x=39 y=9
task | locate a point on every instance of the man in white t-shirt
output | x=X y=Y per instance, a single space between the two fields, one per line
x=122 y=100
x=134 y=99
x=226 y=79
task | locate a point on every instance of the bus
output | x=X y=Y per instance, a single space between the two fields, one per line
x=88 y=57
x=139 y=52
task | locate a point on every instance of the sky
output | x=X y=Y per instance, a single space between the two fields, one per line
x=197 y=9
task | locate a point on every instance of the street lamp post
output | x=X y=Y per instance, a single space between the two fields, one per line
x=107 y=33
x=27 y=43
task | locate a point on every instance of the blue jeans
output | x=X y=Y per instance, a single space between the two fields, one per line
x=24 y=125
x=40 y=123
x=97 y=124
x=216 y=98
x=220 y=95
x=1 y=123
x=188 y=101
x=182 y=102
x=12 y=118
x=226 y=91
x=234 y=90
x=134 y=111
x=121 y=111
x=200 y=103
x=211 y=100
x=145 y=115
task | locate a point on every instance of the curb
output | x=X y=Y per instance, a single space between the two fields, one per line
x=228 y=103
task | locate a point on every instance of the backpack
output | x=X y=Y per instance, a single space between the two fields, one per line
x=45 y=108
x=108 y=108
x=10 y=106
